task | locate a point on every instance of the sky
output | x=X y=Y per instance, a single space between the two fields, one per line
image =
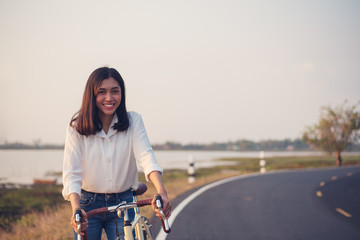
x=197 y=71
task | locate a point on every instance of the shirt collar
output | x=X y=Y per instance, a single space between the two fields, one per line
x=111 y=131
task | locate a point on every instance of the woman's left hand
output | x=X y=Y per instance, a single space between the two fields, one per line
x=166 y=205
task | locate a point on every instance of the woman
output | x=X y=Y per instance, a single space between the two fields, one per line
x=103 y=143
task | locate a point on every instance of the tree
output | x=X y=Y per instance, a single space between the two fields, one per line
x=336 y=130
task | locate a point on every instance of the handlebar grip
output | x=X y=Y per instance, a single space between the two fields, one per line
x=96 y=212
x=78 y=215
x=159 y=201
x=144 y=202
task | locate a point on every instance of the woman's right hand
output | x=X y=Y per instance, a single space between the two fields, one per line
x=84 y=223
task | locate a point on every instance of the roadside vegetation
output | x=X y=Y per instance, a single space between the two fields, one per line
x=41 y=212
x=337 y=129
x=16 y=204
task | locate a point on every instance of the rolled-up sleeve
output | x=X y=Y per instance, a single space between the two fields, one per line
x=143 y=151
x=72 y=166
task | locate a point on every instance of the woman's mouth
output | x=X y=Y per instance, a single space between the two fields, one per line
x=109 y=106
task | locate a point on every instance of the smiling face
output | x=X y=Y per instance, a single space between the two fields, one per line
x=108 y=98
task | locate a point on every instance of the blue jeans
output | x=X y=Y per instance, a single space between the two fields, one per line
x=90 y=201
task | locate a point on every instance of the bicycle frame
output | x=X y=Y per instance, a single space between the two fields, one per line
x=138 y=222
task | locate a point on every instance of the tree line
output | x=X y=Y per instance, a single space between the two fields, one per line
x=247 y=145
x=239 y=145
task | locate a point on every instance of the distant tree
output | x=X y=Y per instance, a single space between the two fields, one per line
x=336 y=130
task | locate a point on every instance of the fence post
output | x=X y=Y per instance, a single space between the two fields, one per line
x=262 y=162
x=191 y=169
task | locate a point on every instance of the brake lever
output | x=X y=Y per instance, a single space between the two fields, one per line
x=164 y=221
x=78 y=221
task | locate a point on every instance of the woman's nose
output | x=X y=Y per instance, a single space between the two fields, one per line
x=108 y=96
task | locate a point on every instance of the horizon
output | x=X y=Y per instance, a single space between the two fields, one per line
x=197 y=71
x=39 y=142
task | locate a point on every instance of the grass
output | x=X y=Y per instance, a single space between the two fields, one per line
x=277 y=163
x=41 y=213
x=16 y=204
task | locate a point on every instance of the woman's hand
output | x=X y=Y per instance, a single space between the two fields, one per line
x=84 y=223
x=166 y=205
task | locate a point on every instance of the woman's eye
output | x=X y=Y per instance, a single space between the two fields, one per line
x=116 y=91
x=101 y=92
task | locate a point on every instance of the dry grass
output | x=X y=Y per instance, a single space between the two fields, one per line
x=50 y=224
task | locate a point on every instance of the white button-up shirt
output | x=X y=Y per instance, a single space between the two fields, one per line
x=106 y=163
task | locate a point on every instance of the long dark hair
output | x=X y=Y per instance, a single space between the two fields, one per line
x=86 y=120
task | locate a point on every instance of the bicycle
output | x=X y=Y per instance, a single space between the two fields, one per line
x=140 y=224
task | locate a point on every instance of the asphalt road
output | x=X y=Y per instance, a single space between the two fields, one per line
x=306 y=204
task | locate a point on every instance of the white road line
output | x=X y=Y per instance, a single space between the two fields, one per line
x=162 y=235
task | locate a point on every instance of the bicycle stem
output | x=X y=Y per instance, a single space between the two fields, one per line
x=121 y=206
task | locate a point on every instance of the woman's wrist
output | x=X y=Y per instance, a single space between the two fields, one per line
x=162 y=192
x=75 y=201
x=156 y=179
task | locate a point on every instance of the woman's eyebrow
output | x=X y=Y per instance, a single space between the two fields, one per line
x=116 y=87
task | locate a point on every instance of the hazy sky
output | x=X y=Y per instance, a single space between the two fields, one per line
x=197 y=71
